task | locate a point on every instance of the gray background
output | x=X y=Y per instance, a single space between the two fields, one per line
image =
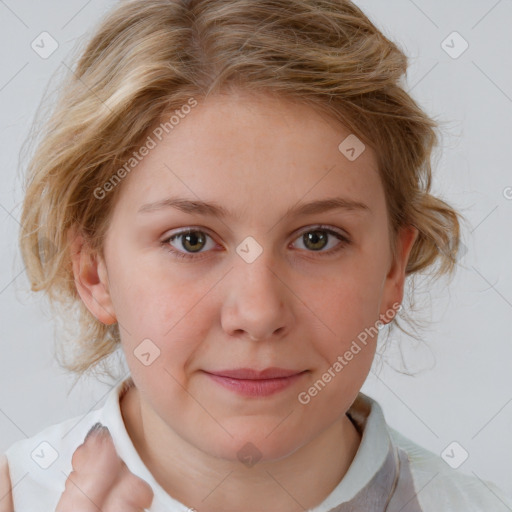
x=463 y=391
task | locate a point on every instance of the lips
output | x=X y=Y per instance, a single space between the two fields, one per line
x=250 y=382
x=252 y=374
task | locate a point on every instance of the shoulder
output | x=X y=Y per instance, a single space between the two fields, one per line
x=439 y=485
x=6 y=504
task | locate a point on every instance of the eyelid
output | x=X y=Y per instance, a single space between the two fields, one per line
x=180 y=255
x=323 y=227
x=184 y=231
x=341 y=235
x=312 y=227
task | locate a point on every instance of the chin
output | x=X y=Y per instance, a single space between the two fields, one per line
x=250 y=446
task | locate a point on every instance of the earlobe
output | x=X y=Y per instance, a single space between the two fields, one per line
x=90 y=275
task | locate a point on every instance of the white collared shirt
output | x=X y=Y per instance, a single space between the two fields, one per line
x=389 y=472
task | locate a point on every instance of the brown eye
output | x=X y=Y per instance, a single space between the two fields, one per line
x=315 y=240
x=191 y=241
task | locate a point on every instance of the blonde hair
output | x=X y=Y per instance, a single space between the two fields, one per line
x=151 y=57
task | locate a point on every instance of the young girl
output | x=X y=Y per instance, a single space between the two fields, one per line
x=234 y=193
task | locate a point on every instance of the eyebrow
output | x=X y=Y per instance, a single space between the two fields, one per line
x=216 y=210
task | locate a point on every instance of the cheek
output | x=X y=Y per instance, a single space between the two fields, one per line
x=345 y=311
x=347 y=348
x=345 y=301
x=150 y=300
x=163 y=325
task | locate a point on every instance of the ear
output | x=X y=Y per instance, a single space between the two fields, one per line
x=91 y=279
x=395 y=279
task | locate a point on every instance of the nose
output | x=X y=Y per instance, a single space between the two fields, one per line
x=257 y=301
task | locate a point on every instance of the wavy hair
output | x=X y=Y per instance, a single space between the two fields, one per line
x=150 y=57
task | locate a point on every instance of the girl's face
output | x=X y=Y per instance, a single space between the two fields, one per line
x=263 y=281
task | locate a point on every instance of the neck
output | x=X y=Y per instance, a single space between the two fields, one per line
x=297 y=482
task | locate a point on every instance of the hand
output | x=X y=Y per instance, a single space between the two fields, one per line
x=100 y=480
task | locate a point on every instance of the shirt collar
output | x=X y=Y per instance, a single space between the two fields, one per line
x=372 y=475
x=370 y=479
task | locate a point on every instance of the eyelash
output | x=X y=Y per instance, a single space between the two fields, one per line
x=190 y=256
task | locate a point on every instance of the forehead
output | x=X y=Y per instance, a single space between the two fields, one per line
x=252 y=152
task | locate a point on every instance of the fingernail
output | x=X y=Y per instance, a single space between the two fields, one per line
x=95 y=428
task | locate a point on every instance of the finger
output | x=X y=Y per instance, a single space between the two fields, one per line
x=125 y=503
x=97 y=441
x=75 y=499
x=97 y=453
x=128 y=493
x=96 y=469
x=100 y=476
x=134 y=491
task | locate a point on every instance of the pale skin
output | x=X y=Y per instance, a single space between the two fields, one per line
x=292 y=307
x=100 y=480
